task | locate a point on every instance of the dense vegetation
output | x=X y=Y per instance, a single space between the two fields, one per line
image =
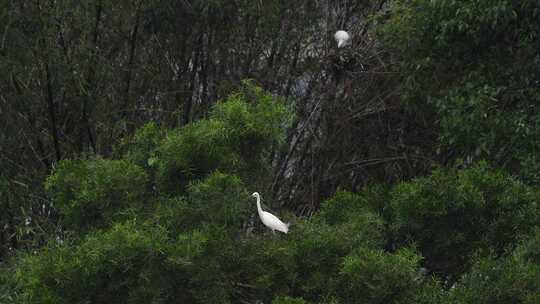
x=133 y=134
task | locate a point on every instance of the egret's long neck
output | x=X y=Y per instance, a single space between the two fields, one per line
x=259 y=209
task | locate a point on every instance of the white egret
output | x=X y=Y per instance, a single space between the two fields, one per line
x=268 y=219
x=342 y=38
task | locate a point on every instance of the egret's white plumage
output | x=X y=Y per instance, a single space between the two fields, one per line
x=342 y=38
x=268 y=219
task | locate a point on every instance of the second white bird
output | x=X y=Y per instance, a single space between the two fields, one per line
x=342 y=38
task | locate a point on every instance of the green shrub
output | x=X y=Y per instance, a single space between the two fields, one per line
x=431 y=291
x=141 y=147
x=269 y=265
x=223 y=200
x=220 y=199
x=452 y=214
x=176 y=215
x=125 y=264
x=94 y=193
x=344 y=207
x=373 y=276
x=8 y=288
x=499 y=281
x=319 y=249
x=201 y=258
x=461 y=70
x=130 y=263
x=191 y=153
x=306 y=261
x=529 y=248
x=253 y=119
x=288 y=300
x=233 y=139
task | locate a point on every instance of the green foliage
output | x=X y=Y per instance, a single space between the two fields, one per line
x=129 y=263
x=288 y=300
x=270 y=265
x=430 y=291
x=220 y=199
x=8 y=288
x=305 y=262
x=96 y=192
x=373 y=276
x=125 y=264
x=320 y=246
x=184 y=247
x=140 y=149
x=529 y=249
x=233 y=139
x=194 y=248
x=254 y=120
x=205 y=274
x=171 y=220
x=191 y=153
x=510 y=280
x=452 y=214
x=474 y=64
x=342 y=207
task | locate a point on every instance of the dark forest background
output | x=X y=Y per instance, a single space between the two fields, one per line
x=132 y=134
